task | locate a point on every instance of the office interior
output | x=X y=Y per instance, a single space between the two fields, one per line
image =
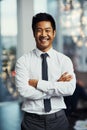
x=16 y=38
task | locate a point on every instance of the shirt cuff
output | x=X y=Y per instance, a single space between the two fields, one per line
x=43 y=85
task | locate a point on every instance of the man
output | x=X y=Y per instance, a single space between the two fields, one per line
x=43 y=77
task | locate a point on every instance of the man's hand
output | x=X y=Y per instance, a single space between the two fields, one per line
x=33 y=82
x=65 y=77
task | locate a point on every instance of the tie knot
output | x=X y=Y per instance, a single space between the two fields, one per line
x=44 y=55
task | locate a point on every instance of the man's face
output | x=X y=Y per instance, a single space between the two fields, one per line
x=44 y=35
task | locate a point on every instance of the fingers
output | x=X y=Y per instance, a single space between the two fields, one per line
x=65 y=77
x=68 y=78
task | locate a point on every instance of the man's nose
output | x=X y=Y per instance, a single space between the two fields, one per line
x=43 y=33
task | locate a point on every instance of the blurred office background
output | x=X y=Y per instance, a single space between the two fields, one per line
x=16 y=38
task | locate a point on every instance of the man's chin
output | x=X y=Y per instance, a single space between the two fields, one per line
x=44 y=48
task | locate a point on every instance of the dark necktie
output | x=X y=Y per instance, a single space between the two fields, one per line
x=47 y=103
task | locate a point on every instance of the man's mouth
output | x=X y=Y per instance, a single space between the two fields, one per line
x=43 y=39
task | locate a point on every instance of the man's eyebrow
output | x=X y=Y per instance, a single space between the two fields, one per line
x=48 y=28
x=44 y=28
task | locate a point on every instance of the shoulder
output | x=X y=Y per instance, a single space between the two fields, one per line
x=26 y=57
x=61 y=56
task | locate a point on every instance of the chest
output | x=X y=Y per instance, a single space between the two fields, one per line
x=35 y=69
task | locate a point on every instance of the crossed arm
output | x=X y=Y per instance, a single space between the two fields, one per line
x=64 y=77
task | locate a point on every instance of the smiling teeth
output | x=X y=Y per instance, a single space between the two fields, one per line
x=44 y=39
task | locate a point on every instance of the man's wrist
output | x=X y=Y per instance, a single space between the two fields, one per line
x=33 y=82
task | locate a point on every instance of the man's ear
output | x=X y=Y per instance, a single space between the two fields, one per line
x=54 y=33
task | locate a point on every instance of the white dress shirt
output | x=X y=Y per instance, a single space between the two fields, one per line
x=29 y=67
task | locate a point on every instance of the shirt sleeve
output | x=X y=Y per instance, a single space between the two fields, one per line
x=21 y=79
x=55 y=88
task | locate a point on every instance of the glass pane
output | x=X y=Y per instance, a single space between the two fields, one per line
x=74 y=30
x=8 y=49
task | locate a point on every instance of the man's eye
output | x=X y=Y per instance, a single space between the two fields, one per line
x=47 y=30
x=38 y=30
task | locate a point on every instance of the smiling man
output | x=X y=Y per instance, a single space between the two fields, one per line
x=43 y=77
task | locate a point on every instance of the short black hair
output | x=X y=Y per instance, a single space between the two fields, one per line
x=42 y=17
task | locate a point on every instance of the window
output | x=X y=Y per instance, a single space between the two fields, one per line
x=8 y=38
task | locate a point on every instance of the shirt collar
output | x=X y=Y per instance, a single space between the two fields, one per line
x=39 y=52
